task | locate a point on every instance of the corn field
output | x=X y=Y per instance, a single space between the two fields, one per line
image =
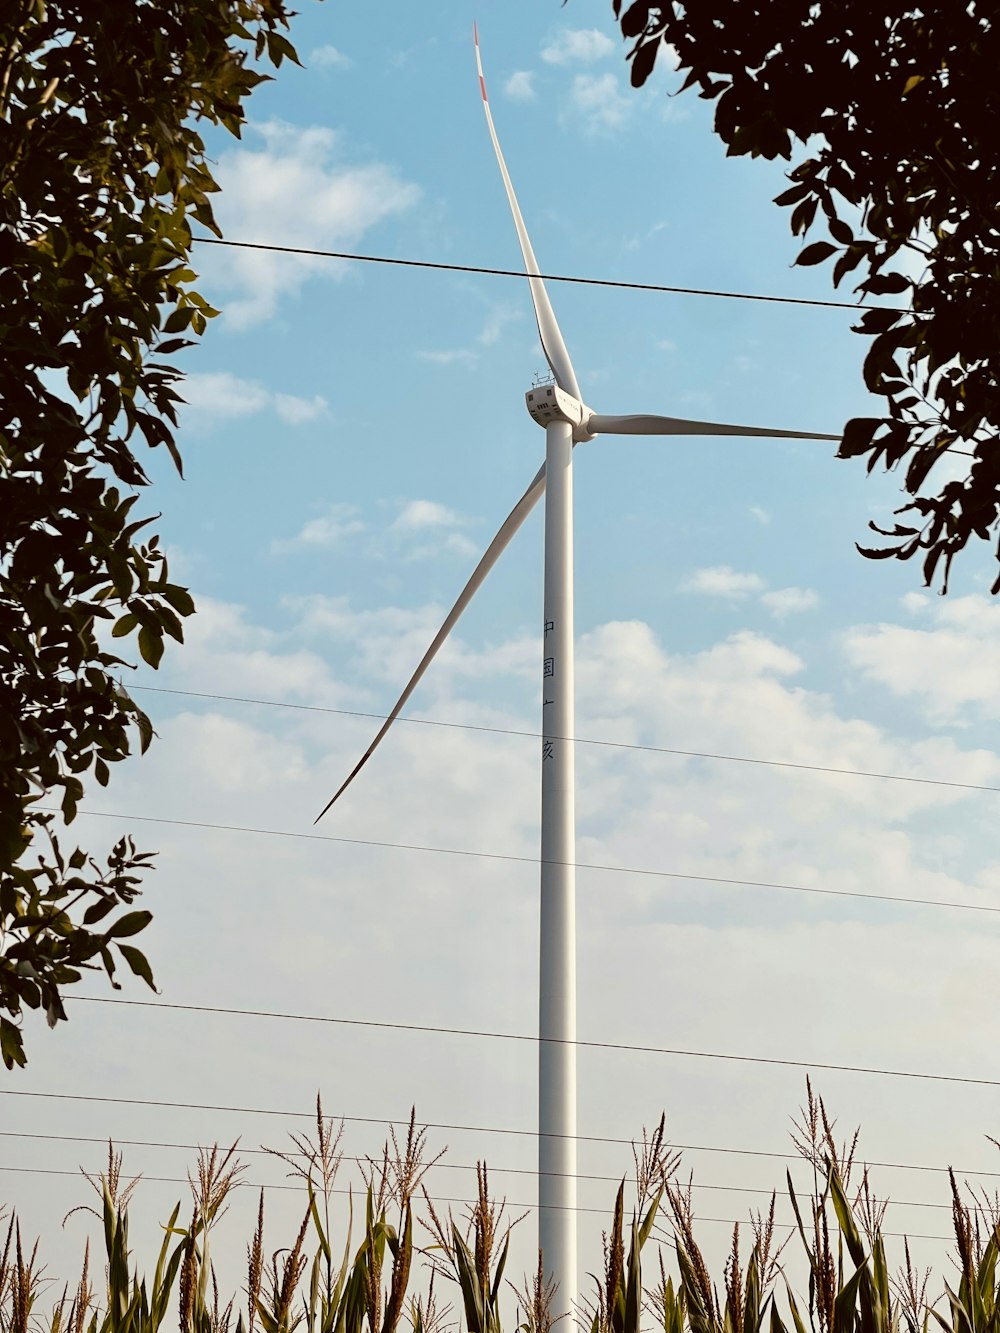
x=393 y=1261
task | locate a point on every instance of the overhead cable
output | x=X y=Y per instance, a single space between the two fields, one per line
x=546 y=277
x=535 y=1040
x=437 y=1166
x=387 y=1122
x=530 y=860
x=525 y=1207
x=577 y=740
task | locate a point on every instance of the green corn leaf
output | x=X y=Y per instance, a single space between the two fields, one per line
x=317 y=1223
x=633 y=1286
x=961 y=1318
x=794 y=1309
x=845 y=1218
x=501 y=1265
x=798 y=1219
x=845 y=1305
x=753 y=1311
x=649 y=1220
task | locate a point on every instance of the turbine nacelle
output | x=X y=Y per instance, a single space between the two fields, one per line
x=547 y=403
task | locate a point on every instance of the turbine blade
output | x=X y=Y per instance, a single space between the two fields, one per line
x=495 y=549
x=548 y=329
x=654 y=425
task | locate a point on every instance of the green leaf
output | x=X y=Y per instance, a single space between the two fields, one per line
x=11 y=1045
x=146 y=732
x=792 y=196
x=857 y=436
x=129 y=924
x=99 y=910
x=845 y=1218
x=136 y=960
x=178 y=320
x=150 y=646
x=884 y=284
x=876 y=552
x=179 y=598
x=124 y=626
x=815 y=253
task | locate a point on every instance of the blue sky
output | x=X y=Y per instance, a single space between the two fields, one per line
x=355 y=435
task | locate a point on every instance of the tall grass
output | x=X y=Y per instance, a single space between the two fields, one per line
x=398 y=1253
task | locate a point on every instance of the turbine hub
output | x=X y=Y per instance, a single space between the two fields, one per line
x=547 y=402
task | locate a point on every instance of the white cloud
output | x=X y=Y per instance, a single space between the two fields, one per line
x=429 y=519
x=420 y=530
x=297 y=410
x=789 y=601
x=456 y=542
x=577 y=46
x=421 y=514
x=520 y=87
x=437 y=926
x=666 y=345
x=761 y=515
x=223 y=646
x=497 y=320
x=597 y=102
x=221 y=396
x=724 y=581
x=327 y=529
x=667 y=55
x=456 y=355
x=328 y=57
x=950 y=668
x=490 y=333
x=737 y=586
x=293 y=189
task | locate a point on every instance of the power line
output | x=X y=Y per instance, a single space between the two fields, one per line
x=578 y=740
x=546 y=277
x=436 y=1166
x=533 y=1040
x=362 y=1161
x=531 y=860
x=262 y=1185
x=527 y=1207
x=385 y=1122
x=359 y=1161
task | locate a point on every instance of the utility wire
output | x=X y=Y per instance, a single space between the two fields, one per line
x=507 y=1131
x=363 y=1161
x=485 y=1034
x=262 y=1185
x=526 y=1207
x=546 y=277
x=437 y=1166
x=578 y=740
x=530 y=860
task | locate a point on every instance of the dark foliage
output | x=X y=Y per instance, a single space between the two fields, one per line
x=102 y=172
x=897 y=114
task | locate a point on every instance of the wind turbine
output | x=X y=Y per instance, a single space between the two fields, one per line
x=567 y=420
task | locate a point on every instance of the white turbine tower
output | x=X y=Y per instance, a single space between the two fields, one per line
x=560 y=409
